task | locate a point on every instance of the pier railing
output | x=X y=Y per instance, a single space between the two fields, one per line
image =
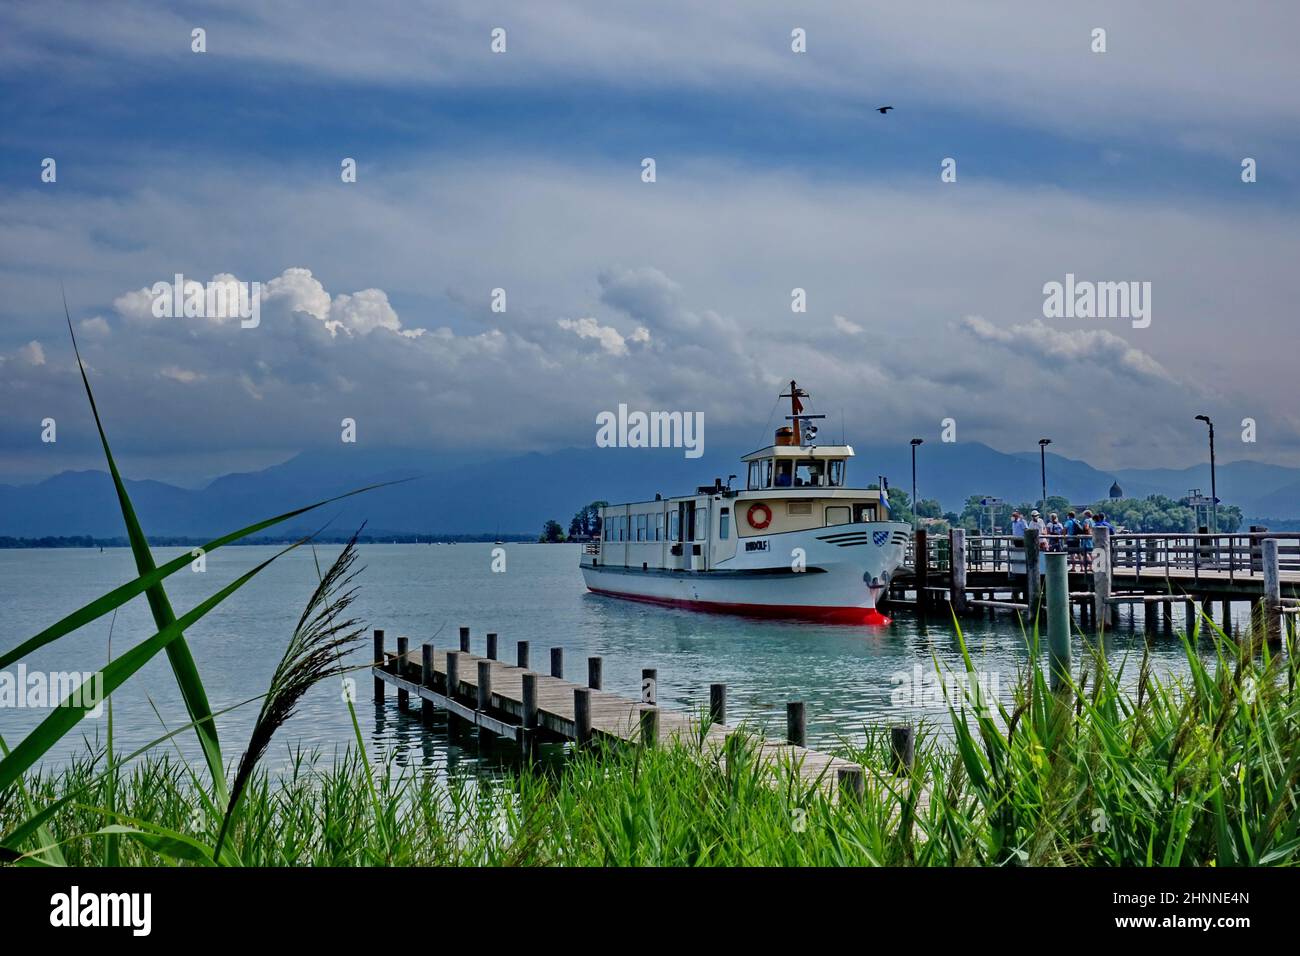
x=1238 y=555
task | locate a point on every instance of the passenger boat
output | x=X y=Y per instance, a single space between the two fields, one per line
x=798 y=541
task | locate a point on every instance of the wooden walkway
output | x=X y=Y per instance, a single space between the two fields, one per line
x=513 y=702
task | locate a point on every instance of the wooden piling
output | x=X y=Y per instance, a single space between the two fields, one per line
x=557 y=662
x=649 y=726
x=379 y=662
x=1272 y=591
x=852 y=784
x=595 y=676
x=464 y=639
x=1033 y=583
x=1101 y=579
x=902 y=747
x=521 y=654
x=649 y=685
x=530 y=701
x=491 y=646
x=484 y=685
x=796 y=724
x=1058 y=620
x=718 y=703
x=921 y=569
x=957 y=566
x=426 y=680
x=453 y=674
x=403 y=697
x=582 y=715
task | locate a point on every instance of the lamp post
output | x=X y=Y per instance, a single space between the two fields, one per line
x=1042 y=466
x=1214 y=494
x=915 y=442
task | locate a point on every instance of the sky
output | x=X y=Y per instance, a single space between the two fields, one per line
x=522 y=171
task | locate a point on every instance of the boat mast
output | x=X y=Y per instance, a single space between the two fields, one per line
x=796 y=407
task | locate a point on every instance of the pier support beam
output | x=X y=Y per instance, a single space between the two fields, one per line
x=491 y=646
x=557 y=662
x=957 y=549
x=1272 y=591
x=403 y=697
x=582 y=715
x=426 y=680
x=1101 y=579
x=902 y=748
x=464 y=639
x=852 y=784
x=796 y=724
x=649 y=685
x=1058 y=620
x=921 y=562
x=595 y=672
x=649 y=726
x=1033 y=583
x=521 y=654
x=379 y=662
x=718 y=703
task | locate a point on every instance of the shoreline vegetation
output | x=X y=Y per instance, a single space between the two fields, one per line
x=1197 y=771
x=174 y=541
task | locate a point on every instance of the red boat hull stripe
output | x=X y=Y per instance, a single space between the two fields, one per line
x=831 y=615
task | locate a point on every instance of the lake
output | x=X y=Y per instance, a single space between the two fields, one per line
x=848 y=676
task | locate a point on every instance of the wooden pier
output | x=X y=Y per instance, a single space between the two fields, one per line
x=516 y=703
x=972 y=574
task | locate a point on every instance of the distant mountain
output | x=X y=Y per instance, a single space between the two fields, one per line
x=452 y=494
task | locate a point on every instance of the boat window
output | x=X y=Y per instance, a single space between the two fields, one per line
x=837 y=472
x=674 y=526
x=659 y=526
x=837 y=514
x=767 y=473
x=784 y=473
x=701 y=526
x=798 y=507
x=864 y=512
x=755 y=474
x=724 y=524
x=808 y=473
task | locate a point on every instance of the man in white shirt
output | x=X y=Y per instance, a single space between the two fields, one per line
x=1017 y=525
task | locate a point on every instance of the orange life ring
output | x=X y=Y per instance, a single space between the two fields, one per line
x=767 y=516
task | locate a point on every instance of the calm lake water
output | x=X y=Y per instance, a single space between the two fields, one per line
x=849 y=676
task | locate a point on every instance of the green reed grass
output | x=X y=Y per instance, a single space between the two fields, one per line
x=1202 y=770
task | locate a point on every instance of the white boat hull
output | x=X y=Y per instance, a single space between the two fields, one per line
x=829 y=574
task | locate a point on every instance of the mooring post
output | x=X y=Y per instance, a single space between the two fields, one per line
x=852 y=784
x=796 y=725
x=379 y=662
x=464 y=639
x=1150 y=617
x=1272 y=591
x=1101 y=578
x=1167 y=616
x=1033 y=583
x=557 y=662
x=957 y=548
x=594 y=676
x=491 y=646
x=902 y=747
x=1058 y=619
x=582 y=715
x=530 y=701
x=921 y=567
x=453 y=674
x=649 y=685
x=649 y=726
x=403 y=698
x=1191 y=623
x=521 y=654
x=426 y=680
x=484 y=685
x=718 y=703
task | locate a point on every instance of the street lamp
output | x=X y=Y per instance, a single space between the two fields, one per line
x=915 y=442
x=1214 y=494
x=1042 y=465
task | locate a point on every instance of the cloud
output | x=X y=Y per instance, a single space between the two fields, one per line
x=609 y=338
x=1099 y=350
x=32 y=353
x=845 y=326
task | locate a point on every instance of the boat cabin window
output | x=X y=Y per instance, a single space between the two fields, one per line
x=864 y=513
x=809 y=473
x=836 y=472
x=837 y=514
x=755 y=475
x=674 y=525
x=784 y=473
x=724 y=524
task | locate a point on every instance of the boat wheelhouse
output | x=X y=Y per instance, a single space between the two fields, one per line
x=797 y=541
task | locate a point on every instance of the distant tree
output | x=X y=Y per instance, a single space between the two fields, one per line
x=552 y=533
x=929 y=508
x=586 y=523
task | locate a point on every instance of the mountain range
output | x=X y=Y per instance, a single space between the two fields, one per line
x=450 y=495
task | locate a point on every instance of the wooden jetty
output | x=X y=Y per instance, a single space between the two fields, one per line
x=514 y=702
x=976 y=573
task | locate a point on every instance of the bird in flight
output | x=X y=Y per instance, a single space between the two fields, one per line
x=882 y=110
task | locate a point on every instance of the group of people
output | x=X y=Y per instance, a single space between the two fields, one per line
x=1074 y=536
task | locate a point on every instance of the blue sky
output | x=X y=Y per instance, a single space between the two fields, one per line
x=522 y=171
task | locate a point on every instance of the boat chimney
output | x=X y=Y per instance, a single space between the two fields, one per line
x=785 y=435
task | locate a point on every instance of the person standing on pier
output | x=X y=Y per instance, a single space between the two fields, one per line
x=1055 y=534
x=1037 y=523
x=1085 y=538
x=1073 y=544
x=1018 y=527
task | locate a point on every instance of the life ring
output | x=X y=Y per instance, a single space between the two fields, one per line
x=759 y=525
